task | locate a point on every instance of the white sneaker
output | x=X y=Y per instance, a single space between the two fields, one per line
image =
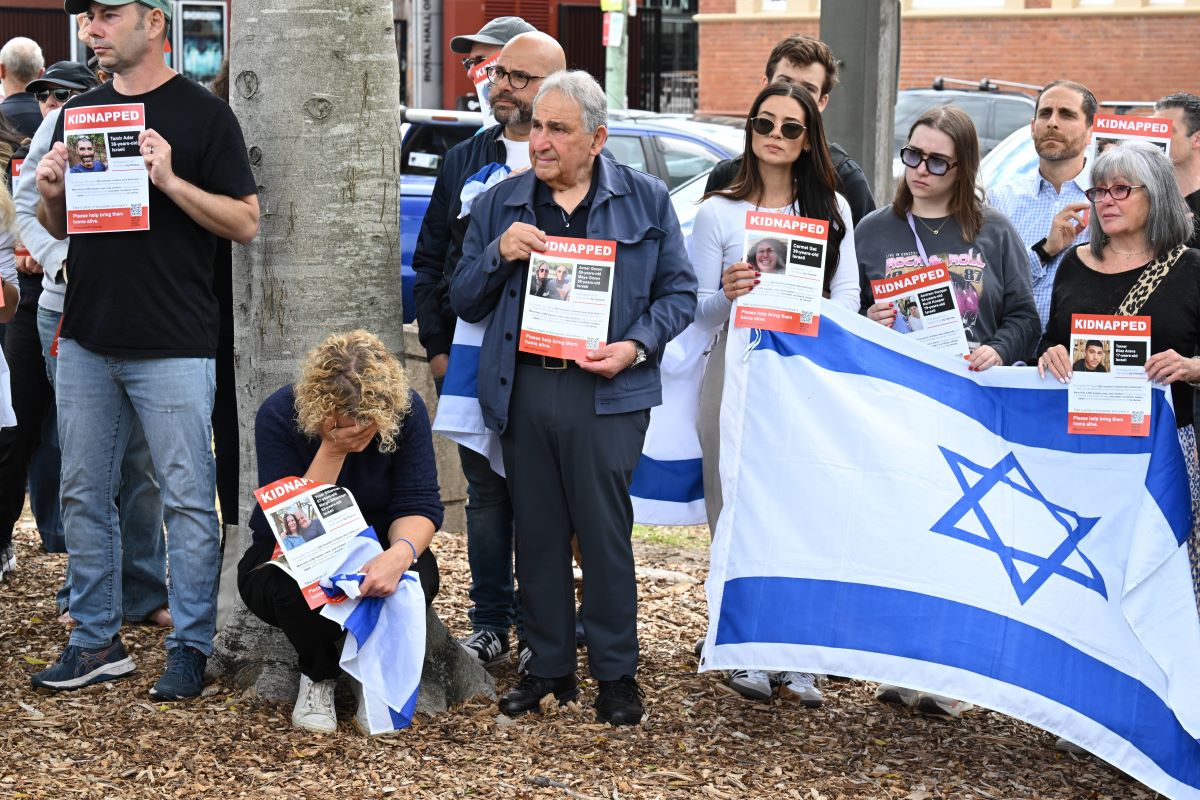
x=940 y=706
x=752 y=683
x=360 y=714
x=896 y=695
x=314 y=706
x=1067 y=746
x=800 y=687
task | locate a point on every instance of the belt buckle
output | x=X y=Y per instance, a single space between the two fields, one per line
x=550 y=362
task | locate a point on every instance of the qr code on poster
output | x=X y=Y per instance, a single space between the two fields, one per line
x=135 y=210
x=1139 y=417
x=806 y=317
x=592 y=343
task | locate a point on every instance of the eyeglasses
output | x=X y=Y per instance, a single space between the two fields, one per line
x=937 y=165
x=516 y=79
x=469 y=62
x=764 y=125
x=61 y=95
x=1118 y=192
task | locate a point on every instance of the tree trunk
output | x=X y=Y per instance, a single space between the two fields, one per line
x=315 y=85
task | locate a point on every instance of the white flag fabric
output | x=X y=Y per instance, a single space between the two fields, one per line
x=385 y=643
x=891 y=516
x=668 y=485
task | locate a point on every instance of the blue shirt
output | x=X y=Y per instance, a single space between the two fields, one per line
x=97 y=166
x=1030 y=203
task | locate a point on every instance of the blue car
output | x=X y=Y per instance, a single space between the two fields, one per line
x=673 y=148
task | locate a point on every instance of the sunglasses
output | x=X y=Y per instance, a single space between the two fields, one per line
x=763 y=127
x=937 y=165
x=61 y=95
x=516 y=79
x=469 y=62
x=1118 y=192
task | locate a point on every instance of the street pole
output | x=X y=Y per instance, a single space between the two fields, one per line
x=865 y=38
x=616 y=52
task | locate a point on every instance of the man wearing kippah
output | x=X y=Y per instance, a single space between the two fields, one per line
x=137 y=343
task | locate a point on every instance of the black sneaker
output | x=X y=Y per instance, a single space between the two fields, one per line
x=620 y=702
x=78 y=667
x=487 y=647
x=530 y=691
x=183 y=677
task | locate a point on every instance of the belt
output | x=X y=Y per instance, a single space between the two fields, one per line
x=545 y=362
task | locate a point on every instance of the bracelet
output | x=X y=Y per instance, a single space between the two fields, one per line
x=411 y=546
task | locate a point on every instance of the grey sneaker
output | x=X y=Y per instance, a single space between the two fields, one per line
x=183 y=676
x=524 y=655
x=78 y=667
x=751 y=683
x=896 y=695
x=487 y=647
x=800 y=687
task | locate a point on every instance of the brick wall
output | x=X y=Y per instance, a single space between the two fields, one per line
x=1118 y=57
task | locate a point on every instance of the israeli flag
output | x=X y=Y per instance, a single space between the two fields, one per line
x=891 y=516
x=385 y=646
x=667 y=487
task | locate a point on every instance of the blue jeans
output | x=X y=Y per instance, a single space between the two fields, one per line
x=100 y=400
x=496 y=606
x=143 y=548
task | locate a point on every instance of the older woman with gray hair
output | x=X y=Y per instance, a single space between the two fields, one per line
x=1137 y=263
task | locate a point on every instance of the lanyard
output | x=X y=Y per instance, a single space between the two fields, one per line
x=920 y=247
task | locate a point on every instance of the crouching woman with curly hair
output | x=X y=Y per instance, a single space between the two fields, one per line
x=352 y=420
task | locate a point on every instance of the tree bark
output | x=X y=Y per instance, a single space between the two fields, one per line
x=315 y=85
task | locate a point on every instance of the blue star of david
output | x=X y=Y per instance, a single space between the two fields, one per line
x=1074 y=526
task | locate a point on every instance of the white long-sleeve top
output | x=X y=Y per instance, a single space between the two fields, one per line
x=45 y=249
x=719 y=239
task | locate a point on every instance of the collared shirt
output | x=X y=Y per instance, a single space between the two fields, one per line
x=554 y=220
x=1030 y=203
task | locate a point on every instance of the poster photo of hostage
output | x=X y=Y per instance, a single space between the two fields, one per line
x=87 y=153
x=768 y=256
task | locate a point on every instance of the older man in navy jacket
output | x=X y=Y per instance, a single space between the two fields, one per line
x=572 y=431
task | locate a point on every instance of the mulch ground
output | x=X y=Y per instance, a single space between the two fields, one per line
x=699 y=739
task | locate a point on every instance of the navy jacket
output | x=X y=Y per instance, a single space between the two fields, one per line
x=654 y=289
x=439 y=243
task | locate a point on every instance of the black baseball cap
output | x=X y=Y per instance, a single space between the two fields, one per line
x=499 y=31
x=64 y=75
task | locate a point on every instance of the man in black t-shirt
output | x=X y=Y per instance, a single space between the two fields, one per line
x=138 y=341
x=1183 y=109
x=1093 y=358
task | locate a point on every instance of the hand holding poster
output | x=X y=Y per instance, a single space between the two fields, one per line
x=313 y=524
x=1109 y=391
x=569 y=297
x=925 y=308
x=789 y=253
x=1112 y=129
x=108 y=187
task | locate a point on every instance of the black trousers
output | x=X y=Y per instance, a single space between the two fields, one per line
x=569 y=471
x=32 y=398
x=272 y=596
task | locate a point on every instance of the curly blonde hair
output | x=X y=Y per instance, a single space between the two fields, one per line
x=354 y=375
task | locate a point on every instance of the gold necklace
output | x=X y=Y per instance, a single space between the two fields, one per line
x=930 y=228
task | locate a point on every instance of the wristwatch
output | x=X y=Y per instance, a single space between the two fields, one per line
x=1040 y=249
x=639 y=350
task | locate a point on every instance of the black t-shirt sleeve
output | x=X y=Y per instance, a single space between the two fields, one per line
x=226 y=165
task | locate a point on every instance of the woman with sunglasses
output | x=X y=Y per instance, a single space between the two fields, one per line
x=786 y=168
x=938 y=217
